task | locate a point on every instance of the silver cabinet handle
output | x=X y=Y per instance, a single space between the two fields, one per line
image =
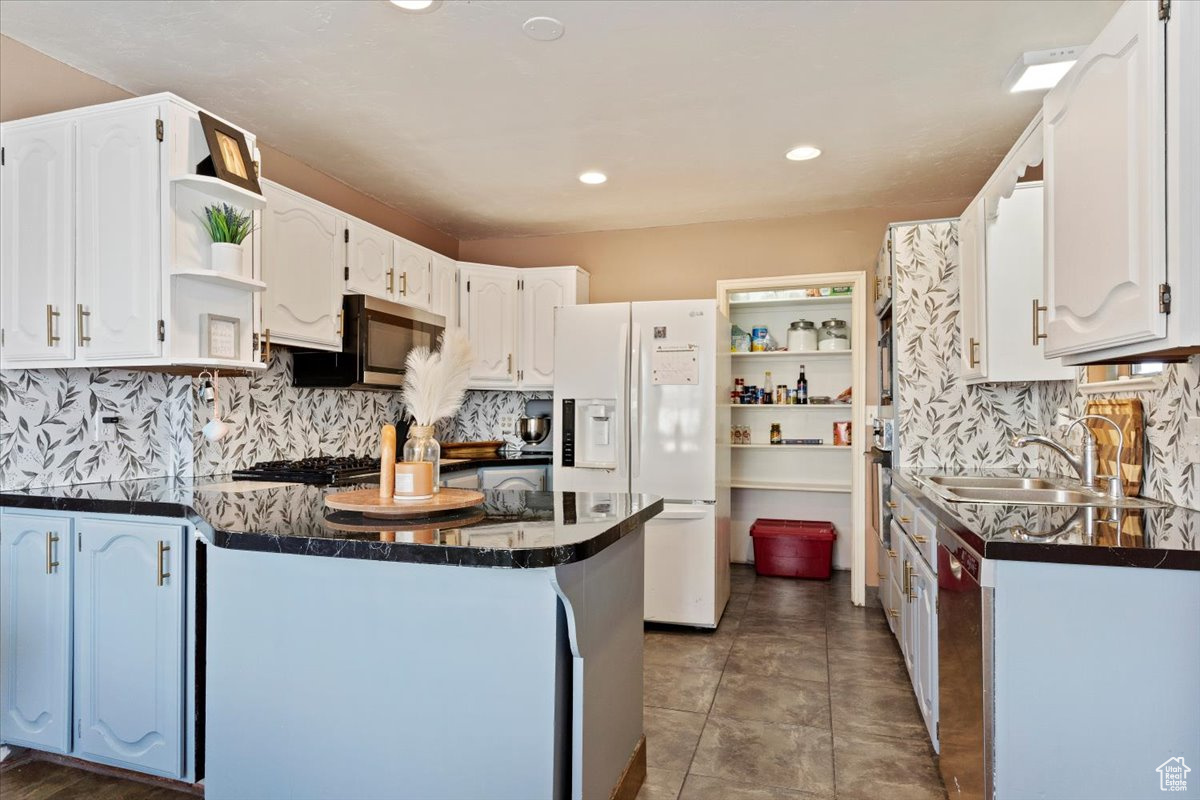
x=80 y=314
x=50 y=562
x=163 y=548
x=1037 y=334
x=51 y=339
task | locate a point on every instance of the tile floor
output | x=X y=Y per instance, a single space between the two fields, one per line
x=798 y=694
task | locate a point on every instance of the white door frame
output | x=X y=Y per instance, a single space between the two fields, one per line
x=857 y=280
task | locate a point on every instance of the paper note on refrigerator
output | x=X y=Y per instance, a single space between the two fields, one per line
x=675 y=366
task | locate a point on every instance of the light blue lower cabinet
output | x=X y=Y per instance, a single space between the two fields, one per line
x=35 y=631
x=129 y=644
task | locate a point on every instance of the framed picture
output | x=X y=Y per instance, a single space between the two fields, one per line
x=219 y=336
x=229 y=157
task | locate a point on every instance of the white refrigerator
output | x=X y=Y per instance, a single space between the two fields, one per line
x=641 y=405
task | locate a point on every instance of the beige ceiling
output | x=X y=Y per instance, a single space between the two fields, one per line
x=458 y=118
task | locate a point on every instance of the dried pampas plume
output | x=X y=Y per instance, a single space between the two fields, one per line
x=436 y=382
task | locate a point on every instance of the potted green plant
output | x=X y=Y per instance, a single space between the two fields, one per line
x=228 y=227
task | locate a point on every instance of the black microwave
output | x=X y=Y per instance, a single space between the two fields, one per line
x=377 y=336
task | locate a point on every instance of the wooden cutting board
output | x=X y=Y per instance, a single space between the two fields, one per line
x=368 y=503
x=1127 y=413
x=471 y=449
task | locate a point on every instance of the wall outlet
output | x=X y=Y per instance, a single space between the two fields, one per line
x=104 y=428
x=1191 y=441
x=508 y=424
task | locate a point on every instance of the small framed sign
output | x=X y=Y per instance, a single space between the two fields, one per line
x=219 y=336
x=229 y=158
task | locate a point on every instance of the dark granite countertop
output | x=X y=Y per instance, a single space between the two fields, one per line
x=510 y=529
x=1166 y=537
x=499 y=460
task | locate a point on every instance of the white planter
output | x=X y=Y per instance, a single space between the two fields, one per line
x=227 y=258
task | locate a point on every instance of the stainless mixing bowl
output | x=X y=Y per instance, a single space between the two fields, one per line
x=533 y=430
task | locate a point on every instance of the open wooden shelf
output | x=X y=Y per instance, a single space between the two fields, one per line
x=798 y=407
x=220 y=279
x=221 y=190
x=791 y=447
x=794 y=354
x=833 y=299
x=792 y=486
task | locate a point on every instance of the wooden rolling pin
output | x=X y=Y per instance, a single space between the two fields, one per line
x=387 y=462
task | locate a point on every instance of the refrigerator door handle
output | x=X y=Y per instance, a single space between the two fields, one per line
x=635 y=403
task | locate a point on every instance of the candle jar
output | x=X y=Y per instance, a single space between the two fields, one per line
x=421 y=446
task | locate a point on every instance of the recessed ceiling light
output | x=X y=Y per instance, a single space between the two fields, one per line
x=543 y=29
x=593 y=178
x=416 y=5
x=1039 y=70
x=802 y=153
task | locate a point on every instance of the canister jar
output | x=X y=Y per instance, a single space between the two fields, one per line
x=802 y=335
x=834 y=335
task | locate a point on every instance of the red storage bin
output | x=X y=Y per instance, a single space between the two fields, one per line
x=793 y=548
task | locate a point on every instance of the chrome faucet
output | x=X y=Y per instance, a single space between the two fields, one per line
x=1085 y=463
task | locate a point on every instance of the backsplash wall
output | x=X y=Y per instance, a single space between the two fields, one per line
x=944 y=423
x=46 y=421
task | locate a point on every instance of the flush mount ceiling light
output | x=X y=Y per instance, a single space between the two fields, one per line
x=543 y=29
x=1039 y=70
x=593 y=178
x=424 y=6
x=802 y=153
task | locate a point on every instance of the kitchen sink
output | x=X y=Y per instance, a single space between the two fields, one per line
x=985 y=482
x=1026 y=491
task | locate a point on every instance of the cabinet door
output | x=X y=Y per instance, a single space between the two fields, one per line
x=118 y=256
x=924 y=641
x=35 y=623
x=1013 y=244
x=37 y=216
x=303 y=253
x=490 y=308
x=972 y=316
x=1105 y=145
x=369 y=258
x=445 y=288
x=540 y=295
x=129 y=644
x=412 y=283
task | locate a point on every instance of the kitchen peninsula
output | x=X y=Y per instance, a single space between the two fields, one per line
x=345 y=656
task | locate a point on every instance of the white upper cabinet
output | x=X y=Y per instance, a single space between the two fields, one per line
x=973 y=313
x=412 y=284
x=509 y=315
x=104 y=257
x=304 y=252
x=542 y=291
x=444 y=272
x=1114 y=192
x=490 y=306
x=1000 y=242
x=118 y=254
x=37 y=211
x=370 y=269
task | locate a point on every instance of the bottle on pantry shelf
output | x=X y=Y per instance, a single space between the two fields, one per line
x=776 y=433
x=781 y=395
x=791 y=398
x=802 y=388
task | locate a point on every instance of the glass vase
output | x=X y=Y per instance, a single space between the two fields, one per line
x=421 y=446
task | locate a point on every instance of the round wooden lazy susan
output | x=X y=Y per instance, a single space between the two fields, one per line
x=368 y=503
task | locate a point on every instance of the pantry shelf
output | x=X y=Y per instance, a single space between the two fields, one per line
x=790 y=302
x=790 y=447
x=795 y=354
x=792 y=486
x=845 y=407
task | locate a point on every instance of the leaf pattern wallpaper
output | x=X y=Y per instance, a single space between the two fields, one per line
x=47 y=416
x=946 y=424
x=943 y=422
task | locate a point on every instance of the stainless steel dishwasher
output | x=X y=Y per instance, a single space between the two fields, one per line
x=964 y=670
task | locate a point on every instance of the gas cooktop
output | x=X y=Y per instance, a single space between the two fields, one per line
x=321 y=470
